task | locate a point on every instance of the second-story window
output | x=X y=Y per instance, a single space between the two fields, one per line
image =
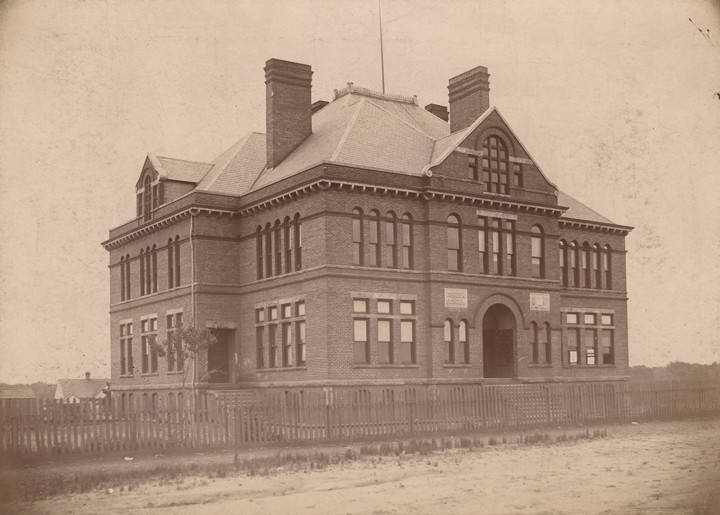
x=454 y=244
x=288 y=244
x=562 y=257
x=298 y=241
x=142 y=272
x=278 y=247
x=537 y=251
x=357 y=237
x=509 y=243
x=482 y=244
x=390 y=240
x=267 y=237
x=406 y=257
x=596 y=258
x=607 y=267
x=122 y=278
x=374 y=238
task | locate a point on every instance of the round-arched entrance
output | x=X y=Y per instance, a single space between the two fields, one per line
x=498 y=342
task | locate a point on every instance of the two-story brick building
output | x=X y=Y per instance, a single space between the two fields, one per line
x=367 y=241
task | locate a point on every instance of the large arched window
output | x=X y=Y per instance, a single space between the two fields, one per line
x=357 y=237
x=374 y=238
x=463 y=343
x=454 y=244
x=562 y=256
x=586 y=257
x=278 y=247
x=390 y=239
x=607 y=267
x=406 y=241
x=267 y=237
x=495 y=165
x=297 y=241
x=596 y=258
x=448 y=342
x=288 y=243
x=574 y=276
x=258 y=252
x=537 y=251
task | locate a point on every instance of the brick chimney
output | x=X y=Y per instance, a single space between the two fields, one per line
x=469 y=96
x=287 y=108
x=87 y=376
x=438 y=110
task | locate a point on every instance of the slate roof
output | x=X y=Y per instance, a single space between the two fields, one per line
x=16 y=391
x=81 y=388
x=359 y=128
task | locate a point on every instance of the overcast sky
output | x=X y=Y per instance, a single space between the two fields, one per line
x=615 y=100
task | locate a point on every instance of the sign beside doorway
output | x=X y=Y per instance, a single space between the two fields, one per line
x=456 y=298
x=539 y=302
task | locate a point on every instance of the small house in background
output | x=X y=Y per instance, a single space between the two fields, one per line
x=16 y=391
x=75 y=390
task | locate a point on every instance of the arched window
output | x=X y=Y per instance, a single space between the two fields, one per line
x=607 y=267
x=127 y=276
x=268 y=250
x=406 y=240
x=177 y=260
x=390 y=240
x=454 y=244
x=463 y=344
x=357 y=237
x=563 y=263
x=374 y=238
x=548 y=343
x=147 y=197
x=587 y=278
x=495 y=165
x=537 y=251
x=288 y=243
x=170 y=264
x=298 y=241
x=142 y=272
x=122 y=278
x=535 y=344
x=448 y=341
x=259 y=252
x=596 y=258
x=278 y=248
x=154 y=268
x=482 y=244
x=574 y=278
x=148 y=270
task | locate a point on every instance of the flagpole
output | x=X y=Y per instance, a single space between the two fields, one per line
x=382 y=57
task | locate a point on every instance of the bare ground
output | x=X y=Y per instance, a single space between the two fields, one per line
x=658 y=468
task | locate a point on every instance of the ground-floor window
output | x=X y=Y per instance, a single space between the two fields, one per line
x=287 y=349
x=384 y=330
x=126 y=348
x=589 y=337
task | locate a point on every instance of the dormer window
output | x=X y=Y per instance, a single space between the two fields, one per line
x=149 y=197
x=495 y=165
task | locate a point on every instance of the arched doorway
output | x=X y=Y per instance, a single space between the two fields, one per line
x=498 y=342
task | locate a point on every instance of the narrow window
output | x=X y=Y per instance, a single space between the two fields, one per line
x=495 y=241
x=607 y=267
x=287 y=359
x=448 y=340
x=259 y=252
x=537 y=251
x=573 y=255
x=300 y=343
x=373 y=238
x=473 y=168
x=596 y=258
x=122 y=278
x=607 y=347
x=390 y=240
x=384 y=339
x=123 y=369
x=170 y=264
x=177 y=260
x=179 y=352
x=454 y=244
x=267 y=236
x=482 y=244
x=297 y=241
x=590 y=344
x=272 y=343
x=586 y=265
x=463 y=344
x=509 y=227
x=127 y=277
x=357 y=236
x=278 y=248
x=260 y=346
x=547 y=343
x=147 y=193
x=142 y=272
x=407 y=341
x=361 y=347
x=148 y=271
x=406 y=261
x=517 y=175
x=288 y=244
x=154 y=269
x=572 y=346
x=139 y=204
x=534 y=344
x=300 y=308
x=563 y=263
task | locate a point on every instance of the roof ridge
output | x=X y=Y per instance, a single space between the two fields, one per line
x=184 y=160
x=402 y=121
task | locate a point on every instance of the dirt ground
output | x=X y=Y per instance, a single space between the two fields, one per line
x=658 y=468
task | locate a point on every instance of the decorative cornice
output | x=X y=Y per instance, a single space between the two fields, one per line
x=575 y=223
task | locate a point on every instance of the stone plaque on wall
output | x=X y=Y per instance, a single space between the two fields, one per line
x=456 y=298
x=539 y=302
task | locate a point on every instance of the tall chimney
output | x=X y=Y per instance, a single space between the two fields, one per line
x=287 y=108
x=469 y=96
x=87 y=376
x=438 y=110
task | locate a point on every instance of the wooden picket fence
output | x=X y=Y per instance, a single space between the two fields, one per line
x=285 y=416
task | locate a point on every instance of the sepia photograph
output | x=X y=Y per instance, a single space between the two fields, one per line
x=360 y=257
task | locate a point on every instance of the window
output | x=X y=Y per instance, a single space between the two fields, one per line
x=509 y=228
x=177 y=260
x=563 y=263
x=175 y=361
x=260 y=346
x=149 y=351
x=272 y=343
x=534 y=343
x=148 y=271
x=587 y=280
x=406 y=351
x=126 y=354
x=463 y=345
x=258 y=252
x=589 y=318
x=573 y=258
x=454 y=244
x=142 y=272
x=607 y=267
x=384 y=339
x=606 y=319
x=596 y=266
x=147 y=194
x=495 y=241
x=517 y=175
x=406 y=241
x=154 y=269
x=287 y=345
x=572 y=346
x=170 y=265
x=384 y=306
x=286 y=310
x=278 y=248
x=300 y=342
x=287 y=349
x=179 y=354
x=300 y=308
x=260 y=315
x=571 y=318
x=607 y=347
x=473 y=168
x=122 y=278
x=495 y=165
x=288 y=243
x=407 y=307
x=482 y=244
x=590 y=344
x=546 y=343
x=537 y=252
x=357 y=235
x=360 y=305
x=598 y=338
x=449 y=343
x=373 y=238
x=361 y=347
x=268 y=250
x=127 y=277
x=272 y=312
x=390 y=258
x=297 y=241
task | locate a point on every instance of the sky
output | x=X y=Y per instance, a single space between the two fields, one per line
x=616 y=101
